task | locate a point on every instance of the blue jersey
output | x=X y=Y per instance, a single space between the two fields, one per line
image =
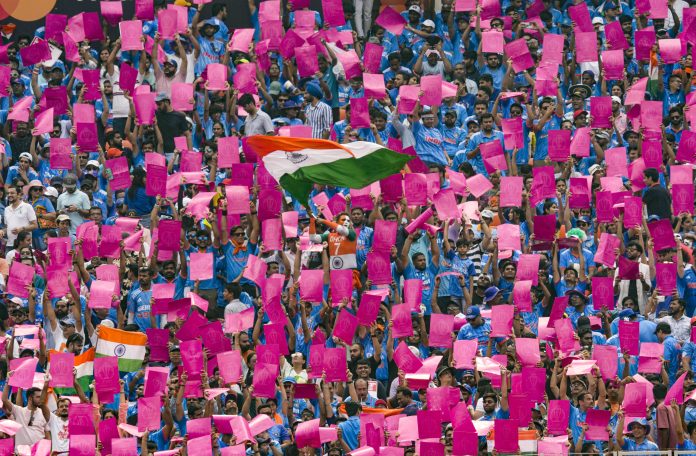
x=138 y=308
x=479 y=333
x=429 y=144
x=427 y=276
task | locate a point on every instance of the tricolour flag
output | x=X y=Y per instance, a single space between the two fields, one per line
x=127 y=346
x=84 y=367
x=299 y=163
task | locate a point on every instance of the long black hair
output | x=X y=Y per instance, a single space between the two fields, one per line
x=138 y=181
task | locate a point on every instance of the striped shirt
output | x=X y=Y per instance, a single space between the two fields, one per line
x=320 y=118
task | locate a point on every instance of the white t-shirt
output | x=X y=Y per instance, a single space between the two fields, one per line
x=18 y=217
x=29 y=435
x=60 y=437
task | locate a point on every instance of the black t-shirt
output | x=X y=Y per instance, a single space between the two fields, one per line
x=171 y=124
x=658 y=201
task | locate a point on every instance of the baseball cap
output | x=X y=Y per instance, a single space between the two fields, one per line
x=161 y=96
x=487 y=213
x=93 y=163
x=428 y=23
x=641 y=421
x=594 y=168
x=615 y=99
x=67 y=321
x=415 y=8
x=444 y=369
x=472 y=312
x=51 y=191
x=627 y=313
x=597 y=20
x=570 y=293
x=290 y=380
x=62 y=217
x=579 y=113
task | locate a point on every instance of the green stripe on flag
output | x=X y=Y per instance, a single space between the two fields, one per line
x=349 y=172
x=125 y=364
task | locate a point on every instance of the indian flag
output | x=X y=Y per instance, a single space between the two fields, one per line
x=127 y=346
x=299 y=163
x=84 y=365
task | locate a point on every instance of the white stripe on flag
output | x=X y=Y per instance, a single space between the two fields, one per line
x=122 y=351
x=280 y=162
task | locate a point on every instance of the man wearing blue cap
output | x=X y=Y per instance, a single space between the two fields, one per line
x=476 y=328
x=640 y=429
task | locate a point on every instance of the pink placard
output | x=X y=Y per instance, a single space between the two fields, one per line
x=506 y=436
x=559 y=145
x=441 y=327
x=601 y=111
x=501 y=321
x=61 y=369
x=432 y=90
x=662 y=235
x=379 y=268
x=597 y=422
x=606 y=357
x=603 y=292
x=391 y=21
x=586 y=47
x=407 y=361
x=131 y=35
x=580 y=14
x=558 y=417
x=408 y=95
x=201 y=266
x=629 y=337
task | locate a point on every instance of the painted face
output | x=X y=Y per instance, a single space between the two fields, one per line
x=344 y=220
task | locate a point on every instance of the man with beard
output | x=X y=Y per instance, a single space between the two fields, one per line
x=58 y=426
x=357 y=216
x=472 y=153
x=452 y=135
x=211 y=49
x=171 y=123
x=19 y=216
x=317 y=113
x=61 y=324
x=23 y=170
x=73 y=202
x=169 y=74
x=490 y=402
x=138 y=304
x=678 y=321
x=32 y=418
x=637 y=289
x=168 y=274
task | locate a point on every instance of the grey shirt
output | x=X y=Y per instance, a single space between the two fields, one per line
x=260 y=124
x=80 y=200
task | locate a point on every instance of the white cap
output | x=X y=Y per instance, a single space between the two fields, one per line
x=51 y=191
x=93 y=163
x=615 y=99
x=597 y=20
x=428 y=23
x=415 y=8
